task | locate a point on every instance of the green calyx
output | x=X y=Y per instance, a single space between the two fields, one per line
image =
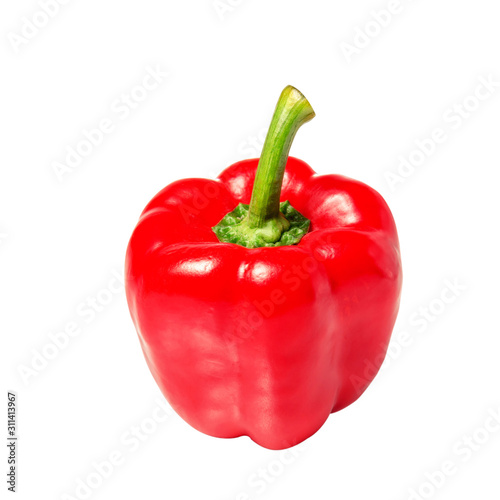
x=231 y=230
x=266 y=222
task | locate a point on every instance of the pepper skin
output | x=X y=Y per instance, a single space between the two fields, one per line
x=264 y=342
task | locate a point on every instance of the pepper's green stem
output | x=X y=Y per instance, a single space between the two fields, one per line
x=292 y=111
x=265 y=222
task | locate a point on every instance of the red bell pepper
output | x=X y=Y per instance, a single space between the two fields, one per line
x=261 y=319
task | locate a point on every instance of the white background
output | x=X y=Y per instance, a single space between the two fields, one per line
x=62 y=240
